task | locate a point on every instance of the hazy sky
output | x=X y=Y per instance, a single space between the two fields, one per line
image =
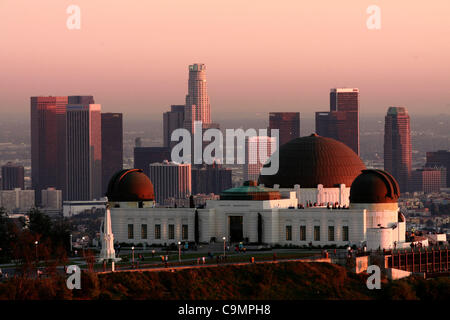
x=261 y=55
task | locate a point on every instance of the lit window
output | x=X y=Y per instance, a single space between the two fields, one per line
x=184 y=232
x=130 y=231
x=302 y=233
x=345 y=233
x=143 y=231
x=171 y=231
x=316 y=233
x=288 y=233
x=157 y=231
x=330 y=233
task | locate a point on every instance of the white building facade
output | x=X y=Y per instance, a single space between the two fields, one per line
x=281 y=223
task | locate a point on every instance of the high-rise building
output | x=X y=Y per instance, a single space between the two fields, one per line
x=397 y=146
x=112 y=146
x=170 y=180
x=84 y=152
x=197 y=106
x=426 y=180
x=440 y=158
x=51 y=199
x=138 y=142
x=17 y=200
x=12 y=176
x=81 y=100
x=210 y=179
x=48 y=140
x=258 y=149
x=288 y=124
x=172 y=120
x=144 y=156
x=342 y=121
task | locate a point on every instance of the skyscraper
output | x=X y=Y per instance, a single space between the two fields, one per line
x=12 y=176
x=211 y=179
x=172 y=120
x=288 y=124
x=84 y=152
x=440 y=158
x=144 y=156
x=112 y=146
x=258 y=149
x=81 y=100
x=426 y=180
x=197 y=106
x=342 y=121
x=51 y=199
x=397 y=146
x=48 y=138
x=170 y=180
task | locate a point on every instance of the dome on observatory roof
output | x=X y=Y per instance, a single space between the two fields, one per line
x=250 y=191
x=374 y=186
x=313 y=160
x=130 y=185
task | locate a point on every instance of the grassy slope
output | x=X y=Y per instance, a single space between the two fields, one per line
x=261 y=281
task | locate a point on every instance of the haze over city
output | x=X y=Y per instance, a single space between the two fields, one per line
x=132 y=56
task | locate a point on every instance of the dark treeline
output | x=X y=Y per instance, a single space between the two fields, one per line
x=33 y=243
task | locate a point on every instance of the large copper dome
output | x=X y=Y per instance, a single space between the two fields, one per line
x=130 y=185
x=313 y=160
x=374 y=186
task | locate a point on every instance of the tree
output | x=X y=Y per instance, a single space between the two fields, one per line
x=4 y=243
x=40 y=223
x=7 y=236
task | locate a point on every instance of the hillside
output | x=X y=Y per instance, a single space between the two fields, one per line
x=261 y=281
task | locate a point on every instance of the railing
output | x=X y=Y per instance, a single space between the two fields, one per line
x=420 y=260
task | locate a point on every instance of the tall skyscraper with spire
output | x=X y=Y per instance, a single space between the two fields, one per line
x=397 y=146
x=197 y=106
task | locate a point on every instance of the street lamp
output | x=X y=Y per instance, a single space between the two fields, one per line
x=132 y=255
x=179 y=251
x=71 y=243
x=36 y=246
x=82 y=243
x=224 y=245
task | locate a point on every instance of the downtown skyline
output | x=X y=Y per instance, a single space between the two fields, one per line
x=389 y=66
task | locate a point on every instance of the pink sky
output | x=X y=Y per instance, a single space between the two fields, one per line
x=261 y=55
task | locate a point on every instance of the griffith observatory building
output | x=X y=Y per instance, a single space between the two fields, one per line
x=321 y=195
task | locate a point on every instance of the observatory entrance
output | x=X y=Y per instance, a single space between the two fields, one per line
x=236 y=228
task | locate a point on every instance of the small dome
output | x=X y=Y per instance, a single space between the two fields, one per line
x=374 y=186
x=313 y=160
x=130 y=185
x=250 y=191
